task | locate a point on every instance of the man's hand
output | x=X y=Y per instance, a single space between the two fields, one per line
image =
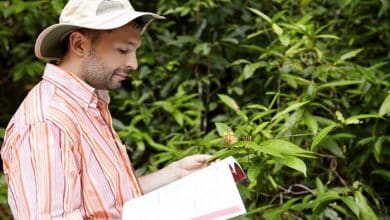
x=189 y=164
x=173 y=171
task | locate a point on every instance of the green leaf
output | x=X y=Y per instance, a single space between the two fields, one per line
x=284 y=39
x=305 y=3
x=340 y=83
x=292 y=120
x=366 y=213
x=230 y=102
x=266 y=149
x=117 y=124
x=285 y=148
x=297 y=79
x=323 y=199
x=310 y=122
x=385 y=107
x=249 y=69
x=223 y=129
x=378 y=148
x=333 y=211
x=289 y=109
x=293 y=162
x=339 y=116
x=383 y=173
x=350 y=54
x=294 y=49
x=257 y=33
x=253 y=171
x=331 y=145
x=319 y=53
x=242 y=115
x=366 y=141
x=350 y=202
x=257 y=106
x=57 y=5
x=160 y=147
x=2 y=132
x=356 y=119
x=274 y=214
x=260 y=115
x=261 y=14
x=328 y=36
x=273 y=182
x=260 y=127
x=223 y=153
x=252 y=47
x=203 y=49
x=277 y=29
x=178 y=117
x=320 y=186
x=167 y=106
x=230 y=40
x=239 y=61
x=321 y=135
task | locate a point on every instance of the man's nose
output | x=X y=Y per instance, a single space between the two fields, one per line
x=132 y=62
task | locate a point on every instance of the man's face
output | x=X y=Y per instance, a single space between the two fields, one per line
x=111 y=57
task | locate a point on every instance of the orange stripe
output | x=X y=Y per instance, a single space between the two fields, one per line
x=104 y=159
x=78 y=131
x=49 y=170
x=24 y=201
x=100 y=201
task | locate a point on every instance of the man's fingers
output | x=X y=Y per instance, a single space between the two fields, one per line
x=202 y=158
x=205 y=157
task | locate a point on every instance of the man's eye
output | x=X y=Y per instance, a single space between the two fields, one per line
x=122 y=51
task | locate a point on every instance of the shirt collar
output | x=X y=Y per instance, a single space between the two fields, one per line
x=71 y=84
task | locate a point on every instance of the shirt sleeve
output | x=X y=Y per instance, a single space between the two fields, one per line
x=42 y=166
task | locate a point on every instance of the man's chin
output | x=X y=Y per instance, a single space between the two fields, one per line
x=115 y=86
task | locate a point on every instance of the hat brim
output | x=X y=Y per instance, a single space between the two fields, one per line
x=49 y=46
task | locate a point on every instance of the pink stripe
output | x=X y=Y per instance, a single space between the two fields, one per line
x=219 y=213
x=59 y=159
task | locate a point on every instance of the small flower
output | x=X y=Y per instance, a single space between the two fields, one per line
x=229 y=138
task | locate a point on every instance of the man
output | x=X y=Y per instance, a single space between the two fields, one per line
x=62 y=158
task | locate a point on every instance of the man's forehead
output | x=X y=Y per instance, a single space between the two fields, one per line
x=128 y=34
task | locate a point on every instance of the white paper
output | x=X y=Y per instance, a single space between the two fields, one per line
x=210 y=193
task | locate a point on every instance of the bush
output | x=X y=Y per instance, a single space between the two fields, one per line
x=297 y=91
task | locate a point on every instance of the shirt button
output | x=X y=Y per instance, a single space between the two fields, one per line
x=101 y=121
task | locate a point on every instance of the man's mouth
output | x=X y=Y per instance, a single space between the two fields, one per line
x=121 y=75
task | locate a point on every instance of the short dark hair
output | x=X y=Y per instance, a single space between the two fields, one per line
x=94 y=35
x=140 y=22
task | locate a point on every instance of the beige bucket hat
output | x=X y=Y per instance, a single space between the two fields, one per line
x=91 y=14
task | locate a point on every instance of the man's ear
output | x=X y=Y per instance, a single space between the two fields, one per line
x=79 y=44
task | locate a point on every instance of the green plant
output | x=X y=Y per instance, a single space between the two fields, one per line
x=297 y=91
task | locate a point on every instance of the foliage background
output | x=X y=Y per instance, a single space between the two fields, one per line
x=297 y=91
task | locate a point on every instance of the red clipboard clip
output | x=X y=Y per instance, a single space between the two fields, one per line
x=237 y=172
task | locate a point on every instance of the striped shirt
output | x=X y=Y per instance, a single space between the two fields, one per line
x=61 y=156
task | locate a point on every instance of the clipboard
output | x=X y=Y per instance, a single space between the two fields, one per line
x=208 y=194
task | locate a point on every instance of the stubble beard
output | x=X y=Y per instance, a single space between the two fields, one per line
x=97 y=74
